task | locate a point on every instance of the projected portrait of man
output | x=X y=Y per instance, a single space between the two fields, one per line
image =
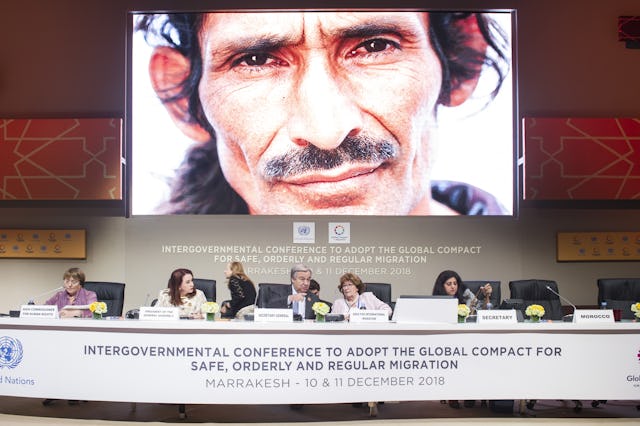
x=318 y=112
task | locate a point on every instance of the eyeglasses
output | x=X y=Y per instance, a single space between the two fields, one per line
x=71 y=281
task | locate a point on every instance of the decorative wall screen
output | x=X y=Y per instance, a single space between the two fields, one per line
x=61 y=159
x=581 y=159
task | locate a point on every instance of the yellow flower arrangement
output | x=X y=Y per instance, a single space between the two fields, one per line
x=635 y=308
x=463 y=310
x=536 y=311
x=98 y=308
x=320 y=308
x=210 y=307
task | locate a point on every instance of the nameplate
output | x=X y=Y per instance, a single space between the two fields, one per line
x=593 y=315
x=272 y=315
x=152 y=313
x=368 y=315
x=39 y=311
x=500 y=316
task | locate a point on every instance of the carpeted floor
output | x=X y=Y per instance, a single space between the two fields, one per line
x=26 y=411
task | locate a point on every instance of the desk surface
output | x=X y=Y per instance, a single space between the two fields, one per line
x=237 y=362
x=238 y=326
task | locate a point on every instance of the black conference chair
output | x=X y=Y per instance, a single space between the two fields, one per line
x=111 y=293
x=264 y=293
x=619 y=293
x=381 y=290
x=207 y=286
x=495 y=298
x=535 y=291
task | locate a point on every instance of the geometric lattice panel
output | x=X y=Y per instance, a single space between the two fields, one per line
x=581 y=158
x=61 y=159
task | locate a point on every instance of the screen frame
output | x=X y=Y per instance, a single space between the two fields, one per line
x=516 y=166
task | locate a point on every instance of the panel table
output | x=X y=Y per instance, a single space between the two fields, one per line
x=237 y=362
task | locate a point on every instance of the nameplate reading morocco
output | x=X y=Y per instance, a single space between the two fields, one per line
x=593 y=315
x=367 y=315
x=501 y=316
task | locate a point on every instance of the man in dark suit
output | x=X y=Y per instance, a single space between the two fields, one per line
x=296 y=296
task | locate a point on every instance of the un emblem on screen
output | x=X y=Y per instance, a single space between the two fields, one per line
x=10 y=352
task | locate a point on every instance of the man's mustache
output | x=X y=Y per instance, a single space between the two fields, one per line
x=357 y=149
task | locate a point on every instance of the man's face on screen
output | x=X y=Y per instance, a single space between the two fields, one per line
x=323 y=113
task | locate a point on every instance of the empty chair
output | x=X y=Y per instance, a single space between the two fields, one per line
x=495 y=298
x=619 y=293
x=208 y=287
x=381 y=290
x=111 y=293
x=535 y=291
x=266 y=291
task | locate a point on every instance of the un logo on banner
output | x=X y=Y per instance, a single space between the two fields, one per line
x=304 y=230
x=10 y=352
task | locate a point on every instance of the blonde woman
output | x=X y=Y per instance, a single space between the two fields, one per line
x=243 y=292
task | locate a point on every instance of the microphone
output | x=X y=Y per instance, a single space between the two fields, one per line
x=563 y=298
x=31 y=301
x=255 y=301
x=135 y=313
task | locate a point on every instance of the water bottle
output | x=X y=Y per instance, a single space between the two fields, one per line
x=603 y=304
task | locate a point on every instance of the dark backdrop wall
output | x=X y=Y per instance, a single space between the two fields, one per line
x=66 y=58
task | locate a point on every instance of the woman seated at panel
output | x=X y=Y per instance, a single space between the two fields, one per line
x=354 y=297
x=449 y=283
x=182 y=293
x=243 y=292
x=74 y=293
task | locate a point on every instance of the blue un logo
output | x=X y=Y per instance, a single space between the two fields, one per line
x=10 y=352
x=304 y=230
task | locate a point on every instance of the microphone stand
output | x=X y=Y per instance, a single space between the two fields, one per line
x=564 y=299
x=31 y=301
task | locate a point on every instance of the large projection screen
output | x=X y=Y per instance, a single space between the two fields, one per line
x=323 y=112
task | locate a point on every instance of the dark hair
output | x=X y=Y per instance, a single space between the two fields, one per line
x=314 y=285
x=438 y=286
x=354 y=279
x=200 y=187
x=174 y=285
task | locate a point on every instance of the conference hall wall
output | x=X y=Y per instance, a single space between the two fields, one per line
x=67 y=59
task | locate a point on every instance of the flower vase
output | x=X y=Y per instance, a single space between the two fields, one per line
x=462 y=318
x=97 y=316
x=534 y=318
x=320 y=318
x=211 y=316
